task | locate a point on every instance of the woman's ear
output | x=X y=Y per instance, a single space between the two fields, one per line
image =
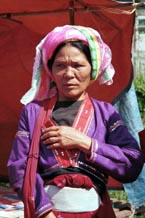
x=52 y=84
x=91 y=81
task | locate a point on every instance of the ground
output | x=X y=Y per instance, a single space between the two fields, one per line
x=12 y=207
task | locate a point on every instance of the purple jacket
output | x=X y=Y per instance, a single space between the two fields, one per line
x=114 y=151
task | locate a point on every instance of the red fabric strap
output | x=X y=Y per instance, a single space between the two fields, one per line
x=30 y=175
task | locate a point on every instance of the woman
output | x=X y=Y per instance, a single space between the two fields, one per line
x=82 y=141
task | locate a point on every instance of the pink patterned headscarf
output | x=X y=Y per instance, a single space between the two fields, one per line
x=101 y=57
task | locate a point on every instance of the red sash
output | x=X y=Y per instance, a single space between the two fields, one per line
x=31 y=168
x=82 y=121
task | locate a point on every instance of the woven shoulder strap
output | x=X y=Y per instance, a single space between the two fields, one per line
x=31 y=168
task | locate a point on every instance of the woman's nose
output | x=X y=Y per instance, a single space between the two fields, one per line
x=69 y=72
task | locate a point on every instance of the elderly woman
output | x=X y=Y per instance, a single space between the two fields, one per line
x=81 y=141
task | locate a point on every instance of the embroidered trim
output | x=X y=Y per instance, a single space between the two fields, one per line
x=94 y=147
x=69 y=157
x=43 y=210
x=116 y=124
x=22 y=133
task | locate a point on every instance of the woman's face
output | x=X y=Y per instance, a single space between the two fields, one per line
x=71 y=73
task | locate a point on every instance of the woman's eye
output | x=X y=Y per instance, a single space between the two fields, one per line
x=77 y=65
x=60 y=65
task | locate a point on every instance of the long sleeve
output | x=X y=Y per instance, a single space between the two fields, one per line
x=114 y=151
x=18 y=159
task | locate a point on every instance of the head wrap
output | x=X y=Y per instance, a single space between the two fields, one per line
x=102 y=69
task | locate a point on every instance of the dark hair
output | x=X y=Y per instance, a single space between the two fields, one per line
x=78 y=44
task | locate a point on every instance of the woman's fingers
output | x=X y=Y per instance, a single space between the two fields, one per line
x=50 y=140
x=65 y=137
x=49 y=132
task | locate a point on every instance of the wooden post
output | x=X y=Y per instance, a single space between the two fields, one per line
x=71 y=12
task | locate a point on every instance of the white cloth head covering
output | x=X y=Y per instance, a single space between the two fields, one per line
x=101 y=56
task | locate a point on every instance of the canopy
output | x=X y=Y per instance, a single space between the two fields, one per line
x=24 y=23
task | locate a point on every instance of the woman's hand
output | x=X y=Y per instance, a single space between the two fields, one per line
x=67 y=138
x=48 y=215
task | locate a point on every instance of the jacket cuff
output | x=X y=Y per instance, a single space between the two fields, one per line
x=94 y=148
x=44 y=209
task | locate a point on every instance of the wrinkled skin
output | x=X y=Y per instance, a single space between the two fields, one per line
x=71 y=73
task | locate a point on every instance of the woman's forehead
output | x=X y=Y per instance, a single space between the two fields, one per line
x=70 y=52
